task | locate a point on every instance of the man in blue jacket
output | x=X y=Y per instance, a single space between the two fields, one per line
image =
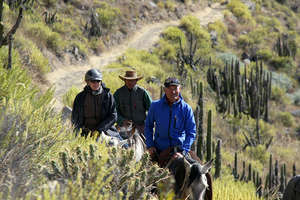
x=173 y=120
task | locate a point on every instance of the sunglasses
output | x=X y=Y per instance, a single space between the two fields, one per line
x=95 y=81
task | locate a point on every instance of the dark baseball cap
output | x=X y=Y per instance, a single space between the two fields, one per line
x=171 y=81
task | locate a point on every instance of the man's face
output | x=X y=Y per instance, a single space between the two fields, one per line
x=130 y=83
x=172 y=93
x=94 y=84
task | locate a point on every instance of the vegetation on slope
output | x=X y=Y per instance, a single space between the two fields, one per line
x=35 y=141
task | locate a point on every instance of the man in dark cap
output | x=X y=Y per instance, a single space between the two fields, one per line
x=175 y=131
x=174 y=122
x=132 y=101
x=94 y=108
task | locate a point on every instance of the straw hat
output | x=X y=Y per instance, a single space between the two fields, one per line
x=130 y=75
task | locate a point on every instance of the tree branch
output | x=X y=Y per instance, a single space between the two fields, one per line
x=13 y=29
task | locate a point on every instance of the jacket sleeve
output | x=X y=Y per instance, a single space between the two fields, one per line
x=111 y=116
x=147 y=100
x=75 y=114
x=120 y=118
x=190 y=130
x=149 y=125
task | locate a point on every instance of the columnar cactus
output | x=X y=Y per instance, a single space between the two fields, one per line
x=249 y=172
x=235 y=167
x=200 y=139
x=243 y=176
x=237 y=94
x=270 y=172
x=248 y=95
x=208 y=137
x=282 y=180
x=218 y=160
x=276 y=173
x=294 y=169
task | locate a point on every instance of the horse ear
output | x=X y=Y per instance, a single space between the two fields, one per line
x=206 y=167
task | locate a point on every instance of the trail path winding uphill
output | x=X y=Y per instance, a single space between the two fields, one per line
x=64 y=77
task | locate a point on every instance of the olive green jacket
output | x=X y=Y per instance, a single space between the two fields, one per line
x=132 y=104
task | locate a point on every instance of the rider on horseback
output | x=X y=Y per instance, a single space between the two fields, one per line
x=175 y=132
x=132 y=101
x=173 y=119
x=94 y=108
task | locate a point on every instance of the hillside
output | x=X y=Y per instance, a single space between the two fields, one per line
x=58 y=41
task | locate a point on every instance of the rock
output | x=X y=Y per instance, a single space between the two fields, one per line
x=66 y=113
x=295 y=113
x=152 y=4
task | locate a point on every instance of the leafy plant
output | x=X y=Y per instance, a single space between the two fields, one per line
x=107 y=15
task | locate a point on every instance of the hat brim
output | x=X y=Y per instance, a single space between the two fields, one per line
x=95 y=79
x=130 y=78
x=170 y=84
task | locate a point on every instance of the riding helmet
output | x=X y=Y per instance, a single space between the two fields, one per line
x=93 y=74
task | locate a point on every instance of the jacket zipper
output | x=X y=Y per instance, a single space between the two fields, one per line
x=130 y=105
x=170 y=120
x=95 y=104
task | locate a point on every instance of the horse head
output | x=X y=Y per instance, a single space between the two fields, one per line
x=191 y=179
x=127 y=130
x=133 y=138
x=198 y=182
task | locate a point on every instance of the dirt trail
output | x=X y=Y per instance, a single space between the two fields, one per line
x=64 y=77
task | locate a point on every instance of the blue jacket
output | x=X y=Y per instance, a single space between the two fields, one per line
x=174 y=126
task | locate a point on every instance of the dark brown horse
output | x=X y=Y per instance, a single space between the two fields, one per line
x=292 y=190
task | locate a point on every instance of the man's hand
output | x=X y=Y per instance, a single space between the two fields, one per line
x=177 y=155
x=152 y=150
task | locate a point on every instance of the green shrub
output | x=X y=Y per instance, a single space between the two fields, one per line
x=107 y=15
x=43 y=35
x=240 y=10
x=38 y=31
x=286 y=119
x=28 y=130
x=191 y=24
x=170 y=5
x=82 y=49
x=69 y=97
x=36 y=58
x=96 y=44
x=55 y=42
x=283 y=63
x=264 y=54
x=102 y=172
x=254 y=38
x=166 y=51
x=258 y=153
x=295 y=97
x=222 y=34
x=49 y=3
x=278 y=94
x=173 y=34
x=226 y=188
x=281 y=80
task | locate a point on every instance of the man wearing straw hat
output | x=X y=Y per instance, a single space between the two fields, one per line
x=132 y=101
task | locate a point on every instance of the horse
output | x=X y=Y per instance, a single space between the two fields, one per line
x=134 y=139
x=292 y=190
x=191 y=179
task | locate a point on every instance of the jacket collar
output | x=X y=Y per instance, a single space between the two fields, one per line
x=97 y=92
x=133 y=89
